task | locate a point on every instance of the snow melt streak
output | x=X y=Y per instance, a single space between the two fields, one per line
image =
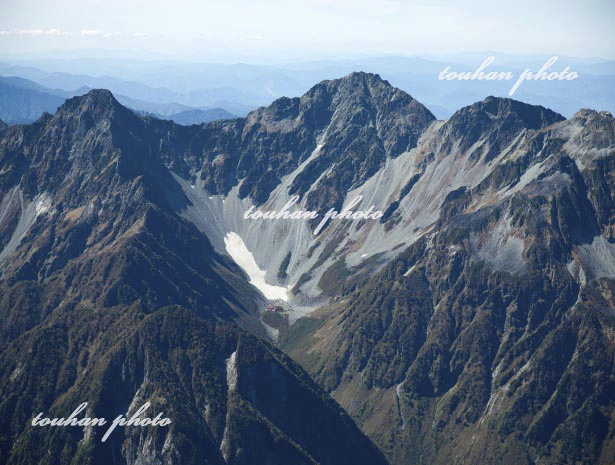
x=244 y=258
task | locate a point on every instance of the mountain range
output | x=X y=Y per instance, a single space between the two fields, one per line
x=23 y=101
x=474 y=322
x=241 y=87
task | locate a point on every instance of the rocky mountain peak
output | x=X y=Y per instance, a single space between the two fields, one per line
x=496 y=119
x=500 y=109
x=97 y=104
x=338 y=125
x=344 y=97
x=592 y=135
x=91 y=146
x=362 y=78
x=593 y=120
x=366 y=90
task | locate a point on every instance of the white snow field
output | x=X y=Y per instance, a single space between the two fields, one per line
x=244 y=258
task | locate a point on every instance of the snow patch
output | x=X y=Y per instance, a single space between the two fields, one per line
x=231 y=383
x=237 y=249
x=43 y=204
x=410 y=270
x=231 y=372
x=398 y=389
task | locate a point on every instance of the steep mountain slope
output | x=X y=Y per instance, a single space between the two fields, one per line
x=232 y=399
x=491 y=339
x=93 y=254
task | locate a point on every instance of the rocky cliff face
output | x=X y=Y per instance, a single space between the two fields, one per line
x=93 y=254
x=472 y=323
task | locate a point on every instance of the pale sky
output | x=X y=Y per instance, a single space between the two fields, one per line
x=308 y=28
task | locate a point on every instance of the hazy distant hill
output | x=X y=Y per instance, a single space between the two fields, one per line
x=24 y=104
x=142 y=96
x=24 y=101
x=240 y=87
x=198 y=116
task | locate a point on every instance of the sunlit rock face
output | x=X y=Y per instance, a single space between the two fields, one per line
x=471 y=323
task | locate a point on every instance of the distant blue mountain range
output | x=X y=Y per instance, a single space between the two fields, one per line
x=167 y=88
x=23 y=101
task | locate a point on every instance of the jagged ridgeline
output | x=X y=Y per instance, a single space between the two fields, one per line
x=474 y=323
